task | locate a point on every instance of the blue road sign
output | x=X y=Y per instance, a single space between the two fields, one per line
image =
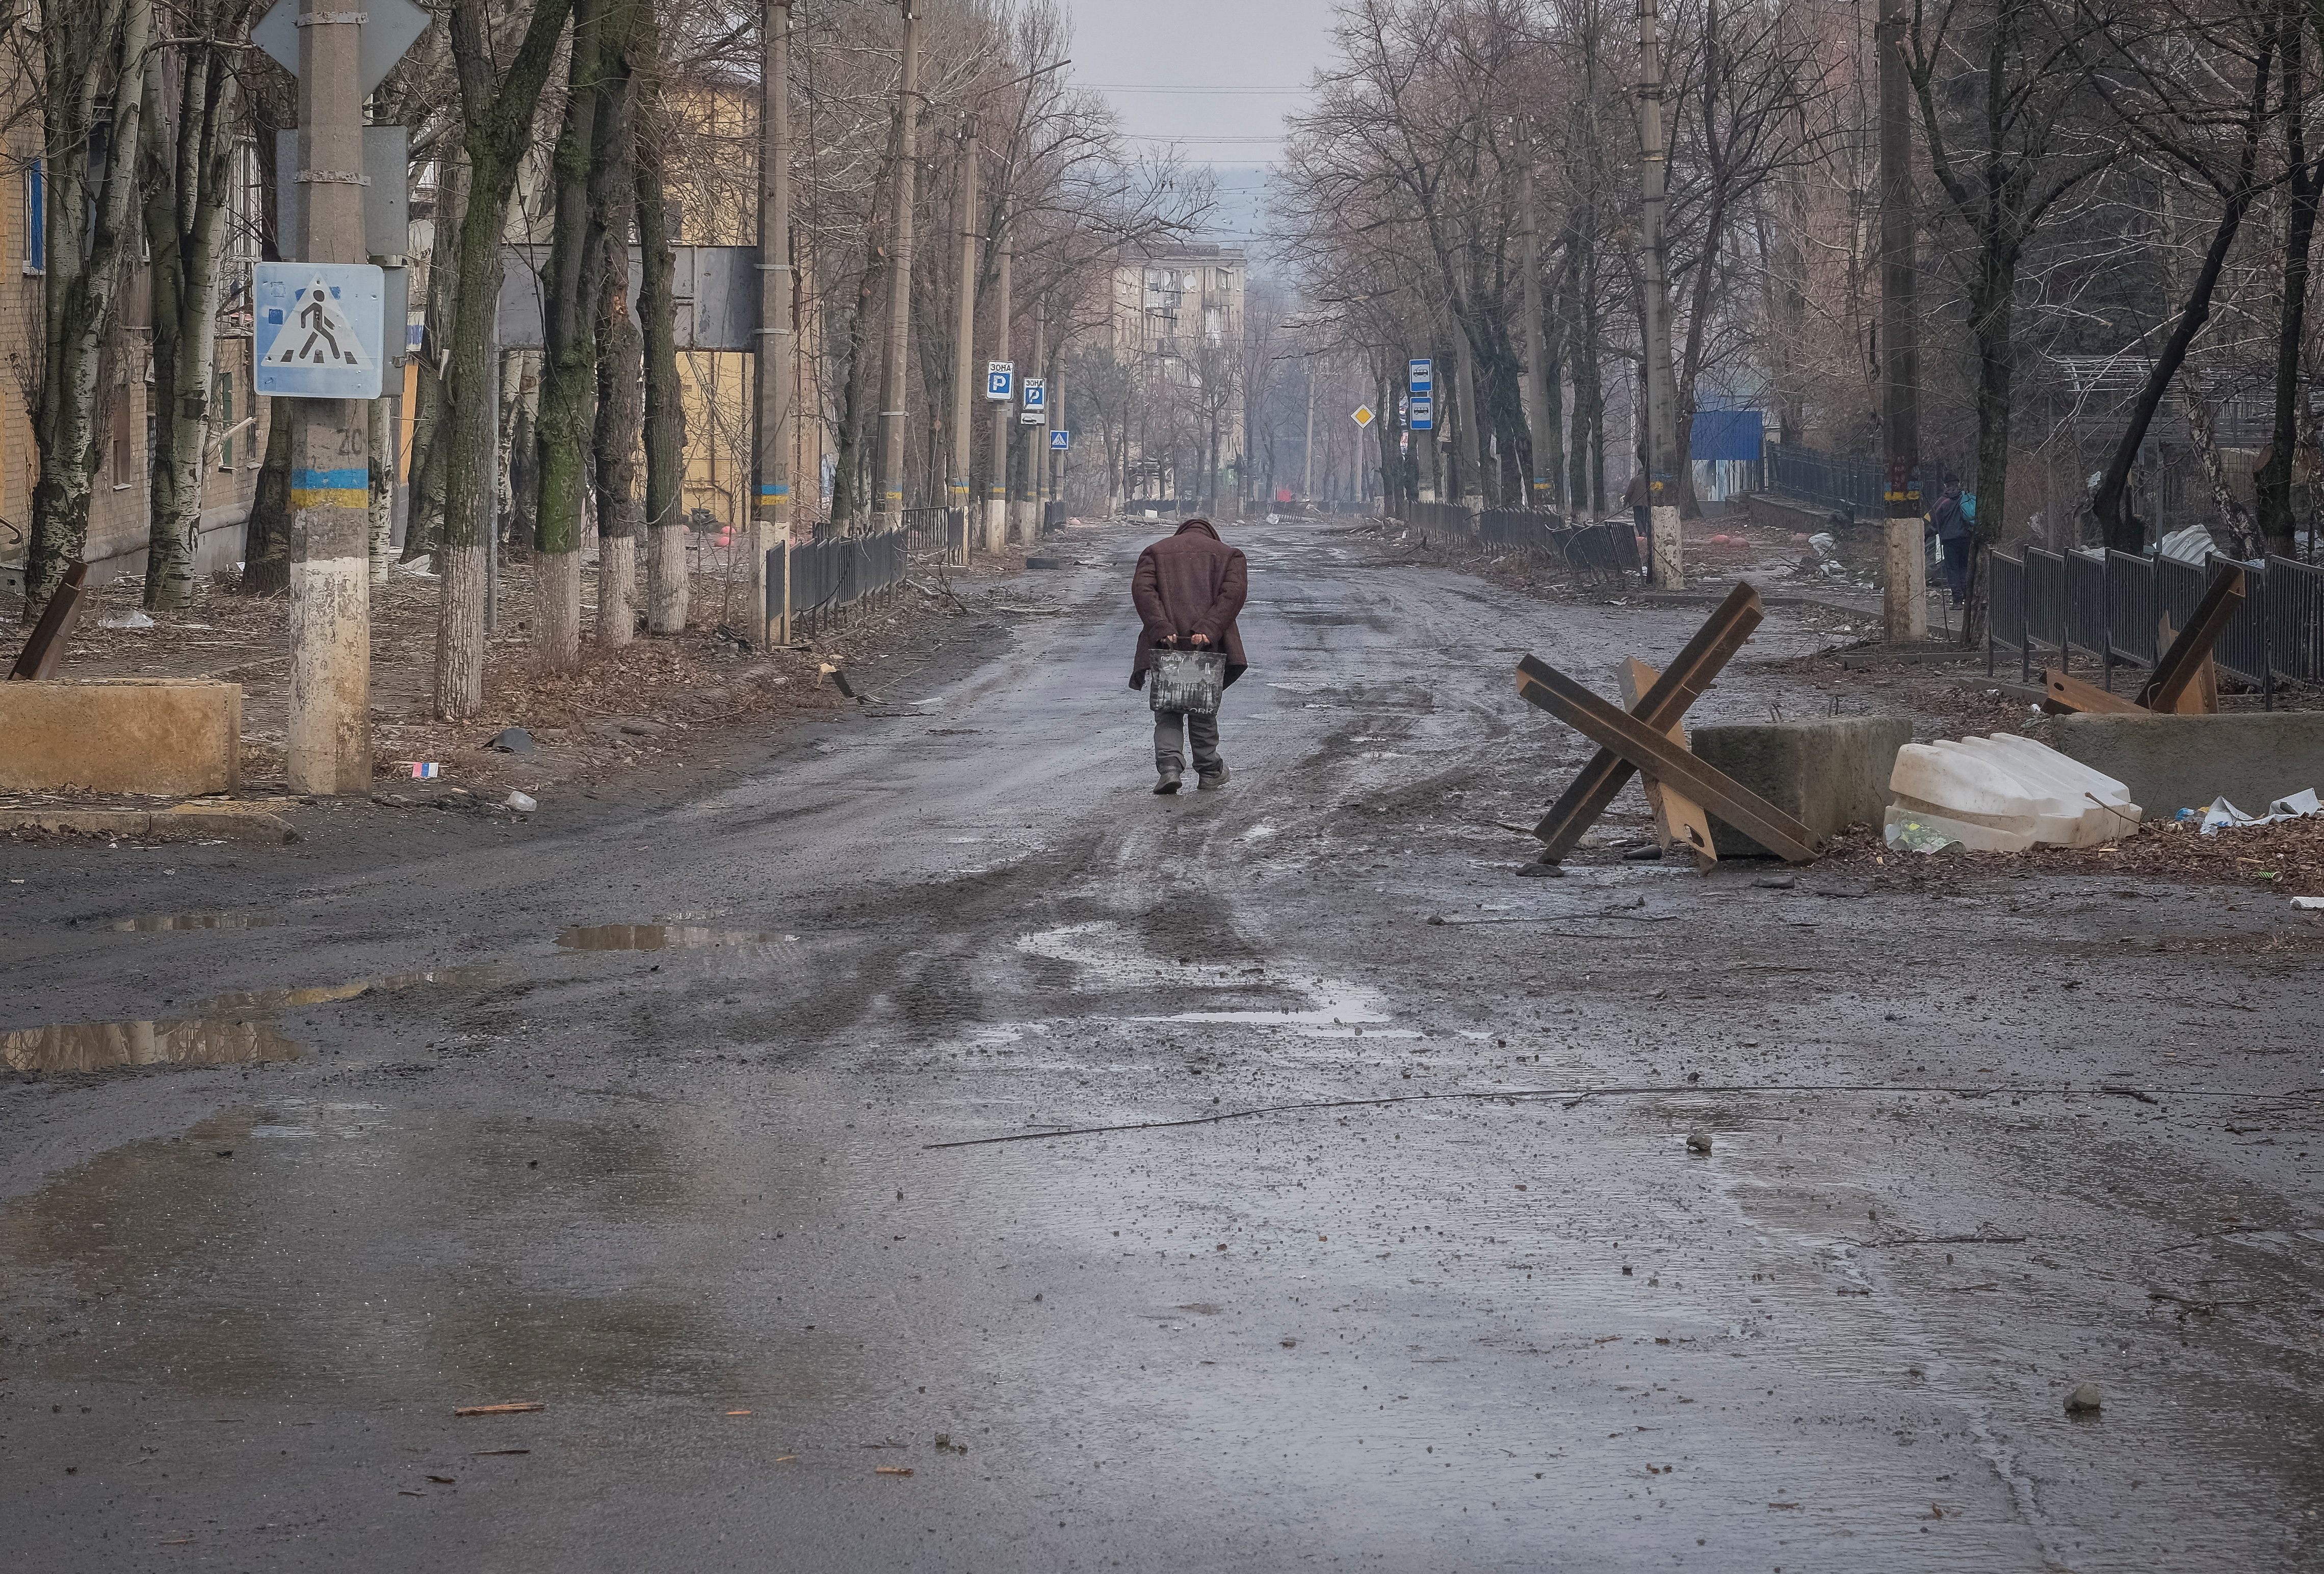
x=1000 y=381
x=1423 y=413
x=319 y=327
x=1037 y=393
x=1060 y=440
x=1422 y=376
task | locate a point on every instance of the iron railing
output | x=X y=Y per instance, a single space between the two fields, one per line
x=1454 y=521
x=829 y=577
x=2114 y=607
x=1856 y=487
x=1596 y=552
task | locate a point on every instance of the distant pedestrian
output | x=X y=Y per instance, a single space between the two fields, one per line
x=1638 y=498
x=1188 y=588
x=1956 y=536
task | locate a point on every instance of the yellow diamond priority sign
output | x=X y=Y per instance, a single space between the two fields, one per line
x=1363 y=414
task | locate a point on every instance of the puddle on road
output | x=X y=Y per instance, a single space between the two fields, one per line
x=323 y=994
x=1108 y=956
x=500 y=1255
x=661 y=937
x=154 y=923
x=104 y=1047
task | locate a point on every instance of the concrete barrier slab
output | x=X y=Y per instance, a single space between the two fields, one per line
x=161 y=736
x=1830 y=772
x=2170 y=763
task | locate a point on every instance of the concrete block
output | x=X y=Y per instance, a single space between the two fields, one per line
x=2182 y=762
x=1830 y=771
x=162 y=736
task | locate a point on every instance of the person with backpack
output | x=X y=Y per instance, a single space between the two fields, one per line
x=1955 y=536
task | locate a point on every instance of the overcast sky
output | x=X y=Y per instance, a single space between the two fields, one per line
x=1144 y=54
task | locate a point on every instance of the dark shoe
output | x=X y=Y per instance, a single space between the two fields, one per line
x=1172 y=777
x=1210 y=781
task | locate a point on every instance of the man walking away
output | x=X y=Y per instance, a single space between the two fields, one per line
x=1634 y=497
x=1954 y=534
x=1188 y=588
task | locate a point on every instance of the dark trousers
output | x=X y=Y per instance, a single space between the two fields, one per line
x=1203 y=731
x=1957 y=567
x=1642 y=519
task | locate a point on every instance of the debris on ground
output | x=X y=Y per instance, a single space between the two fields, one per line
x=2084 y=1400
x=2002 y=793
x=513 y=1407
x=2224 y=816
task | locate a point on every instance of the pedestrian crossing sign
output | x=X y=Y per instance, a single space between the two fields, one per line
x=318 y=329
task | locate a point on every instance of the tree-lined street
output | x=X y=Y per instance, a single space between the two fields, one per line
x=1460 y=1294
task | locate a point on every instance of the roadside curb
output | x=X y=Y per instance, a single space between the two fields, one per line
x=255 y=824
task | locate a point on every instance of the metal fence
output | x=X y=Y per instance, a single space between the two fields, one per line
x=829 y=578
x=2112 y=606
x=1597 y=552
x=1452 y=521
x=1852 y=486
x=939 y=534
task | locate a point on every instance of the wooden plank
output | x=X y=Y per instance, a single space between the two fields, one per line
x=1647 y=749
x=2181 y=665
x=2077 y=694
x=46 y=647
x=1679 y=820
x=1682 y=683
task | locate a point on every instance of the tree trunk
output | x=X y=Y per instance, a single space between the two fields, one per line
x=568 y=368
x=2275 y=526
x=621 y=361
x=846 y=486
x=186 y=157
x=430 y=440
x=2123 y=531
x=266 y=542
x=665 y=407
x=1992 y=304
x=498 y=112
x=88 y=51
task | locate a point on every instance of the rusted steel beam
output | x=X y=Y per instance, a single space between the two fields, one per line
x=1682 y=683
x=46 y=647
x=2182 y=664
x=1647 y=749
x=2076 y=694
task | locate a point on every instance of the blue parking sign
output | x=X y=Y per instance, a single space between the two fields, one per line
x=1000 y=381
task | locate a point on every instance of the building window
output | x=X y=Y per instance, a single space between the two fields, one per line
x=36 y=218
x=1225 y=280
x=223 y=421
x=117 y=422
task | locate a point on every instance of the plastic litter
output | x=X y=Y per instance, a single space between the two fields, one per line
x=2002 y=793
x=133 y=620
x=422 y=770
x=2298 y=805
x=2308 y=904
x=1823 y=544
x=522 y=803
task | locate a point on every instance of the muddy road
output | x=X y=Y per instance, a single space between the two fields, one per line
x=636 y=1110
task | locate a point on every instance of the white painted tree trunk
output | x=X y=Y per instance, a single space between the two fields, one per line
x=617 y=591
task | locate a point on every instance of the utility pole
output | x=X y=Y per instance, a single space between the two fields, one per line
x=1307 y=481
x=327 y=747
x=1027 y=507
x=1004 y=413
x=771 y=435
x=1541 y=387
x=1904 y=598
x=1662 y=420
x=890 y=505
x=964 y=354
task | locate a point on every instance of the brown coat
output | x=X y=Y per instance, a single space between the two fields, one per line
x=1192 y=583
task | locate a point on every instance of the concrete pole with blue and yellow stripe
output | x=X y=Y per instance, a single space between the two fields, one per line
x=327 y=745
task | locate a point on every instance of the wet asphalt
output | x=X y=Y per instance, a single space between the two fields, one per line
x=636 y=1110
